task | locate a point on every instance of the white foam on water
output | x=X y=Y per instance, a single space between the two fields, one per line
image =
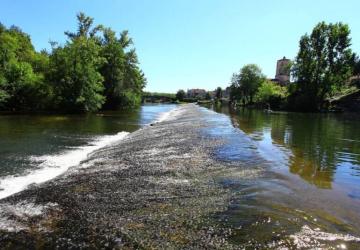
x=169 y=115
x=13 y=216
x=308 y=238
x=54 y=165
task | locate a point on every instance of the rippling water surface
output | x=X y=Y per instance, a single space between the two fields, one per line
x=294 y=178
x=309 y=190
x=48 y=142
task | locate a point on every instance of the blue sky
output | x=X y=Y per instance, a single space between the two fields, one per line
x=185 y=44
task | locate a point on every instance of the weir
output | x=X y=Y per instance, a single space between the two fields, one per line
x=166 y=186
x=153 y=188
x=53 y=166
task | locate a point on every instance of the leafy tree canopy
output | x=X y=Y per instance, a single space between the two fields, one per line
x=180 y=95
x=218 y=93
x=323 y=64
x=245 y=84
x=94 y=67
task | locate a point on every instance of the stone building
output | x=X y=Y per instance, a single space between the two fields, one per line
x=282 y=71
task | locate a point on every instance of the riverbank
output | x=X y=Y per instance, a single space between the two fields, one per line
x=190 y=180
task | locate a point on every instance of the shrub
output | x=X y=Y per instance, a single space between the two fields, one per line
x=272 y=94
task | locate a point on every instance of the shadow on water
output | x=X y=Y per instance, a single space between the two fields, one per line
x=308 y=195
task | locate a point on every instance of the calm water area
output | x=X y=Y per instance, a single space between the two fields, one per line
x=311 y=186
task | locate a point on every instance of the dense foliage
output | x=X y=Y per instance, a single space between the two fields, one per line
x=356 y=80
x=245 y=84
x=159 y=94
x=323 y=68
x=218 y=93
x=357 y=67
x=94 y=69
x=21 y=71
x=207 y=96
x=271 y=94
x=180 y=95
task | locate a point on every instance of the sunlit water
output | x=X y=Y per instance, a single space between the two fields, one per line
x=303 y=189
x=309 y=192
x=35 y=148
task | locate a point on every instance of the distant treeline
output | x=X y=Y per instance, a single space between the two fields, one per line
x=179 y=97
x=157 y=97
x=159 y=94
x=324 y=67
x=94 y=69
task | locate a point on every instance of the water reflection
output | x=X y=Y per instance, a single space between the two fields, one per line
x=25 y=137
x=308 y=187
x=322 y=149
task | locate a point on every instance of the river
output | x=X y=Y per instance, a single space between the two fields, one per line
x=312 y=183
x=322 y=149
x=36 y=148
x=286 y=179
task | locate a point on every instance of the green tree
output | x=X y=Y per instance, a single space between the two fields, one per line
x=218 y=93
x=134 y=79
x=93 y=69
x=356 y=72
x=74 y=70
x=271 y=94
x=357 y=67
x=93 y=65
x=208 y=95
x=245 y=84
x=323 y=65
x=22 y=84
x=123 y=78
x=3 y=94
x=85 y=28
x=235 y=90
x=180 y=95
x=113 y=68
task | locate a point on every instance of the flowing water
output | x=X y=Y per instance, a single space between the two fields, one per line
x=36 y=148
x=310 y=191
x=301 y=186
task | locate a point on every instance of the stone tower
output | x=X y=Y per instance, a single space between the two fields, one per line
x=282 y=71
